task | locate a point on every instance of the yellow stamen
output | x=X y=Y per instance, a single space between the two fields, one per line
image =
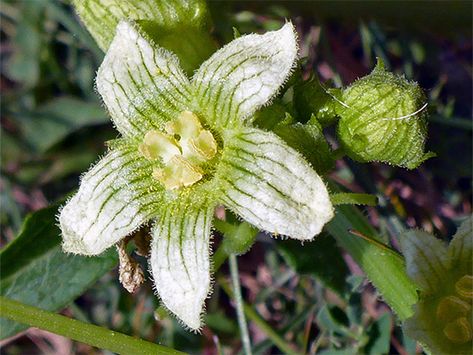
x=452 y=307
x=158 y=145
x=178 y=173
x=204 y=145
x=187 y=125
x=464 y=286
x=185 y=146
x=458 y=331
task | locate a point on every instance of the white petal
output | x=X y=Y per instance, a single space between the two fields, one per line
x=245 y=74
x=426 y=259
x=141 y=84
x=271 y=186
x=180 y=261
x=112 y=201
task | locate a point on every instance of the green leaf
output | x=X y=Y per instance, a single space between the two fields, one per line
x=380 y=336
x=320 y=258
x=56 y=11
x=334 y=320
x=309 y=140
x=35 y=270
x=197 y=47
x=220 y=323
x=101 y=17
x=391 y=280
x=346 y=198
x=24 y=65
x=52 y=122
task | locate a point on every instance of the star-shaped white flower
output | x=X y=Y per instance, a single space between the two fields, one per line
x=186 y=147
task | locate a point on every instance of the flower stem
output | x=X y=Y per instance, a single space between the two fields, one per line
x=262 y=325
x=245 y=337
x=86 y=333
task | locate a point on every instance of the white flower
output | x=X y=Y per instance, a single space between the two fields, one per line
x=187 y=146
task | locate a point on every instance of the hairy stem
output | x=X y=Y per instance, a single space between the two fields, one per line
x=245 y=337
x=85 y=333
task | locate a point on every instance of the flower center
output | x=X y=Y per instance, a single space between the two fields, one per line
x=182 y=150
x=453 y=311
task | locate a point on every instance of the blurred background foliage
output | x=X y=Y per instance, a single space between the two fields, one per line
x=53 y=126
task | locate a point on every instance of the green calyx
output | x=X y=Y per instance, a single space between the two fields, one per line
x=382 y=118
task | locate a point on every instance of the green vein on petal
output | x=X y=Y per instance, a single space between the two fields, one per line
x=271 y=186
x=244 y=75
x=141 y=84
x=113 y=200
x=180 y=261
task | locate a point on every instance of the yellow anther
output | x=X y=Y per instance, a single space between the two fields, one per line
x=204 y=145
x=185 y=146
x=178 y=173
x=187 y=125
x=464 y=286
x=452 y=307
x=458 y=331
x=158 y=145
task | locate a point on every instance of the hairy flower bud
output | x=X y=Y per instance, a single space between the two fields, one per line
x=382 y=118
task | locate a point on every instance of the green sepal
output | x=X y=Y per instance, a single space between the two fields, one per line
x=238 y=238
x=383 y=118
x=310 y=141
x=311 y=98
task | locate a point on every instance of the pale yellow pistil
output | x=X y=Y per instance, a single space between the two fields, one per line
x=182 y=149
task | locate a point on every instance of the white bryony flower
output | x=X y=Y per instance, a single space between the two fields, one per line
x=187 y=146
x=443 y=316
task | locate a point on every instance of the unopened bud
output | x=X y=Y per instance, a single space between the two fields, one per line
x=383 y=118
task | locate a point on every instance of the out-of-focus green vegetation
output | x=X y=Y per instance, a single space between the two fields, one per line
x=53 y=127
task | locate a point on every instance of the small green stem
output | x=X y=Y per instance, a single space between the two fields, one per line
x=245 y=337
x=85 y=333
x=262 y=325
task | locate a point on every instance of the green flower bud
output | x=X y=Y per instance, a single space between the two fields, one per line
x=382 y=118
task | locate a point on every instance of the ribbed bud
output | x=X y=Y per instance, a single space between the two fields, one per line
x=382 y=118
